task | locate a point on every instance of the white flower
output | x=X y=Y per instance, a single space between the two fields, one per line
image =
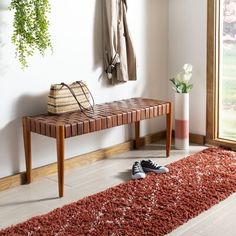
x=186 y=77
x=188 y=68
x=187 y=72
x=181 y=81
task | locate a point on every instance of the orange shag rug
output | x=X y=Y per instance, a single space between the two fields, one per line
x=155 y=205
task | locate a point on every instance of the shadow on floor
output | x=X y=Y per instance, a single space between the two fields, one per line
x=27 y=201
x=124 y=175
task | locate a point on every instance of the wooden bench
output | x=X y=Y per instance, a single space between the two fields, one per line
x=105 y=116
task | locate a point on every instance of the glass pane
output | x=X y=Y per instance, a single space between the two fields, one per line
x=227 y=71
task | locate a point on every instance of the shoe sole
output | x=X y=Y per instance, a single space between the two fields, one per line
x=138 y=176
x=160 y=171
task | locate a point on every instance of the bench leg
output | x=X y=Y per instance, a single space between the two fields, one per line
x=60 y=158
x=27 y=146
x=137 y=135
x=169 y=130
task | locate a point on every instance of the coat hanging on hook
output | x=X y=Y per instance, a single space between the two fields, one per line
x=119 y=56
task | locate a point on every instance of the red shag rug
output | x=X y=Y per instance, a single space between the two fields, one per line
x=153 y=206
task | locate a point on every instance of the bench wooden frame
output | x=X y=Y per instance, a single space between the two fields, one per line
x=104 y=116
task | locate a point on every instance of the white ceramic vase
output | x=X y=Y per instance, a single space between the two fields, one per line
x=182 y=121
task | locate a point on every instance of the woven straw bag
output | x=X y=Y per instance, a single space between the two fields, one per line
x=64 y=98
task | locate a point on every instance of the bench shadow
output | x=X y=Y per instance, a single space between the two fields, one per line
x=10 y=143
x=16 y=203
x=11 y=135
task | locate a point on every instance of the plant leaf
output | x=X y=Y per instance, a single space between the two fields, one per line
x=30 y=28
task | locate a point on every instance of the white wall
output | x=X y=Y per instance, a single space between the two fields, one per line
x=187 y=44
x=77 y=40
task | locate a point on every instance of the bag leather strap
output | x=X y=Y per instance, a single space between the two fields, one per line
x=82 y=86
x=82 y=108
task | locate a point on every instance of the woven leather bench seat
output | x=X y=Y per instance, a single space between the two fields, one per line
x=104 y=116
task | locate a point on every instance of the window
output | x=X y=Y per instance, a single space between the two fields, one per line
x=221 y=73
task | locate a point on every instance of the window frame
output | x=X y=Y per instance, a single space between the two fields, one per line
x=212 y=108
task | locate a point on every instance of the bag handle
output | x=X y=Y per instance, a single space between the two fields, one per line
x=82 y=108
x=82 y=85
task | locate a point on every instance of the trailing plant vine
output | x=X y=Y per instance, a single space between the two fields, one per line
x=30 y=28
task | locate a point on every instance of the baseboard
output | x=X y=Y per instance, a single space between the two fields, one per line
x=195 y=138
x=12 y=181
x=18 y=179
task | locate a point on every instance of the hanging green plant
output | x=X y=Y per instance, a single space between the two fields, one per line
x=30 y=28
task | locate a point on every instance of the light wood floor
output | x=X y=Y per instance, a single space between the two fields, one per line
x=20 y=203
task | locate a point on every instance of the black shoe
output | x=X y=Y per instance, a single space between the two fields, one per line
x=137 y=171
x=149 y=165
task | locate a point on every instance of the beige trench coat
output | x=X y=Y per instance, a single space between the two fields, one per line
x=119 y=56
